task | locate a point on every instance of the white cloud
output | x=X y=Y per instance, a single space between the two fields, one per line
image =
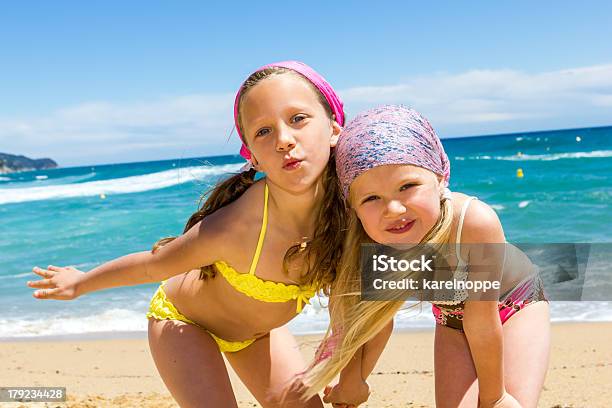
x=500 y=100
x=472 y=102
x=102 y=132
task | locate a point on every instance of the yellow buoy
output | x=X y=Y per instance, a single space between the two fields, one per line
x=578 y=138
x=519 y=173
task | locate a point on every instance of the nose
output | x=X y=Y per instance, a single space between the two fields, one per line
x=285 y=140
x=394 y=208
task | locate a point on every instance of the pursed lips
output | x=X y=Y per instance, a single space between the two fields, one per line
x=291 y=163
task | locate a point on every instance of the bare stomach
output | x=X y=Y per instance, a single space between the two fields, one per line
x=216 y=306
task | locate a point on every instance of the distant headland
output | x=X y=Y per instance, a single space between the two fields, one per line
x=10 y=163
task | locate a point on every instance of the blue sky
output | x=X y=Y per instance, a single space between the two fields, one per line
x=99 y=82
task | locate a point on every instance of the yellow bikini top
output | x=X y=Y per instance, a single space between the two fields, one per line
x=266 y=291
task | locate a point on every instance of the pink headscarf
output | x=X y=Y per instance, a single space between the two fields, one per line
x=311 y=75
x=389 y=135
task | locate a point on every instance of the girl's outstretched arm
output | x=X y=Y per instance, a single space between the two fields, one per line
x=199 y=246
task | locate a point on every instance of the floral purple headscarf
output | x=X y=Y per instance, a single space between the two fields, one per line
x=388 y=135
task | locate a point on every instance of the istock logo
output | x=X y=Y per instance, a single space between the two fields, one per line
x=384 y=263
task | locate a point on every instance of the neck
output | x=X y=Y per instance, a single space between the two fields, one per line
x=296 y=212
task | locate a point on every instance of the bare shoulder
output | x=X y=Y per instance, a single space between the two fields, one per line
x=213 y=238
x=234 y=219
x=481 y=223
x=220 y=234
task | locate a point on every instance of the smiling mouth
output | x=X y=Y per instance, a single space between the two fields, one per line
x=401 y=228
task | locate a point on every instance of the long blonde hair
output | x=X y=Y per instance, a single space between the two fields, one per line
x=353 y=322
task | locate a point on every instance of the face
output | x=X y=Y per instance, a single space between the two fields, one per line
x=397 y=204
x=288 y=131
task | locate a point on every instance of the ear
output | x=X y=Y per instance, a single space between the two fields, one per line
x=440 y=184
x=255 y=162
x=356 y=214
x=336 y=130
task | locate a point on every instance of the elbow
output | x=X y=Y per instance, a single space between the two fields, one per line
x=388 y=329
x=482 y=324
x=482 y=332
x=385 y=332
x=151 y=271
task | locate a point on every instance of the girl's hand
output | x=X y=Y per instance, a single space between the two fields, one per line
x=506 y=401
x=59 y=283
x=344 y=396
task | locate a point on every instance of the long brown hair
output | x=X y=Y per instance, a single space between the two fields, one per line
x=321 y=253
x=352 y=322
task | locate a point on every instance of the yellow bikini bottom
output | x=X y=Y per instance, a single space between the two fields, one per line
x=162 y=309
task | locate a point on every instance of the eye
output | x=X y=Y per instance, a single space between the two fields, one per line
x=262 y=132
x=298 y=118
x=369 y=198
x=407 y=186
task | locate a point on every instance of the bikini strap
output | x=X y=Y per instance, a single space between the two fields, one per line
x=262 y=232
x=460 y=227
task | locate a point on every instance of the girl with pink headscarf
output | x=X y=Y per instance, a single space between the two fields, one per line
x=489 y=352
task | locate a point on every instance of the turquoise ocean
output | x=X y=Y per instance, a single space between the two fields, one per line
x=84 y=216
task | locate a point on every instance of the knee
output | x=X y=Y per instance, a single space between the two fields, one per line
x=291 y=399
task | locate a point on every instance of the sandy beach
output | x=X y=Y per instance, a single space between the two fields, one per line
x=121 y=373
